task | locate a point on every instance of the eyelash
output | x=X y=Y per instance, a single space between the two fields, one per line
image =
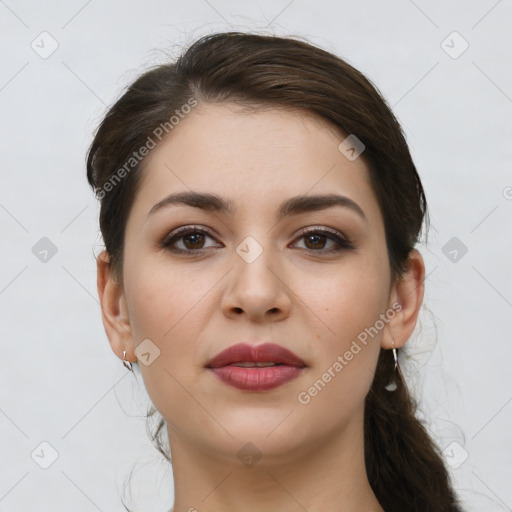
x=331 y=234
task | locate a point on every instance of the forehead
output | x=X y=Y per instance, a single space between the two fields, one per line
x=254 y=158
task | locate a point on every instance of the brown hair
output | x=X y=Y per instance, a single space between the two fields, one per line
x=405 y=467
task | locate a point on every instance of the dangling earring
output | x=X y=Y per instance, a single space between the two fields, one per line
x=127 y=363
x=392 y=385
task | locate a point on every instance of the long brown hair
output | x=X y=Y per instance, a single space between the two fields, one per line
x=405 y=467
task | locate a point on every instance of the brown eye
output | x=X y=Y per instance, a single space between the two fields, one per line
x=191 y=239
x=316 y=239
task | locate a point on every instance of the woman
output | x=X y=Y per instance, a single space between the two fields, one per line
x=260 y=208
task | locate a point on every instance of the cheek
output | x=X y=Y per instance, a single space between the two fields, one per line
x=347 y=354
x=165 y=307
x=350 y=299
x=349 y=305
x=163 y=302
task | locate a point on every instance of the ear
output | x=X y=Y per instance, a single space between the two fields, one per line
x=408 y=292
x=113 y=309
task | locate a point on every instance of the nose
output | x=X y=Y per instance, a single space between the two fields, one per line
x=257 y=289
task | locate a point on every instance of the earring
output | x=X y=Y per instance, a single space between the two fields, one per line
x=392 y=385
x=396 y=359
x=127 y=363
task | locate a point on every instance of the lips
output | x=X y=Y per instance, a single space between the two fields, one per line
x=264 y=353
x=256 y=368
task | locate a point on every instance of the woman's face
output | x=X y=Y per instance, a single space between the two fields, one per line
x=255 y=277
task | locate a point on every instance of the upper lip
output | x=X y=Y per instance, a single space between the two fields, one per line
x=263 y=353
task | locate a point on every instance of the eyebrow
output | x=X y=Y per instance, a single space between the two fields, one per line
x=291 y=206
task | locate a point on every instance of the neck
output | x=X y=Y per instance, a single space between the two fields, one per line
x=328 y=476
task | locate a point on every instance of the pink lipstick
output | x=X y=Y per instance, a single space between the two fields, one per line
x=256 y=367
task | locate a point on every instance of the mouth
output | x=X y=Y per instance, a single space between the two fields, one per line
x=256 y=367
x=258 y=364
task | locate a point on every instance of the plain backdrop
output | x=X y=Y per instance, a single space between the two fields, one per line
x=71 y=416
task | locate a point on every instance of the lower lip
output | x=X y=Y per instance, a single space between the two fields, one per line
x=257 y=379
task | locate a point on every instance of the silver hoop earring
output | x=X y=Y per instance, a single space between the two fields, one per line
x=127 y=364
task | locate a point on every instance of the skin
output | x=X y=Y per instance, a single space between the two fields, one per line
x=294 y=294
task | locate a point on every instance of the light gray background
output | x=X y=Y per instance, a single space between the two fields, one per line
x=60 y=381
